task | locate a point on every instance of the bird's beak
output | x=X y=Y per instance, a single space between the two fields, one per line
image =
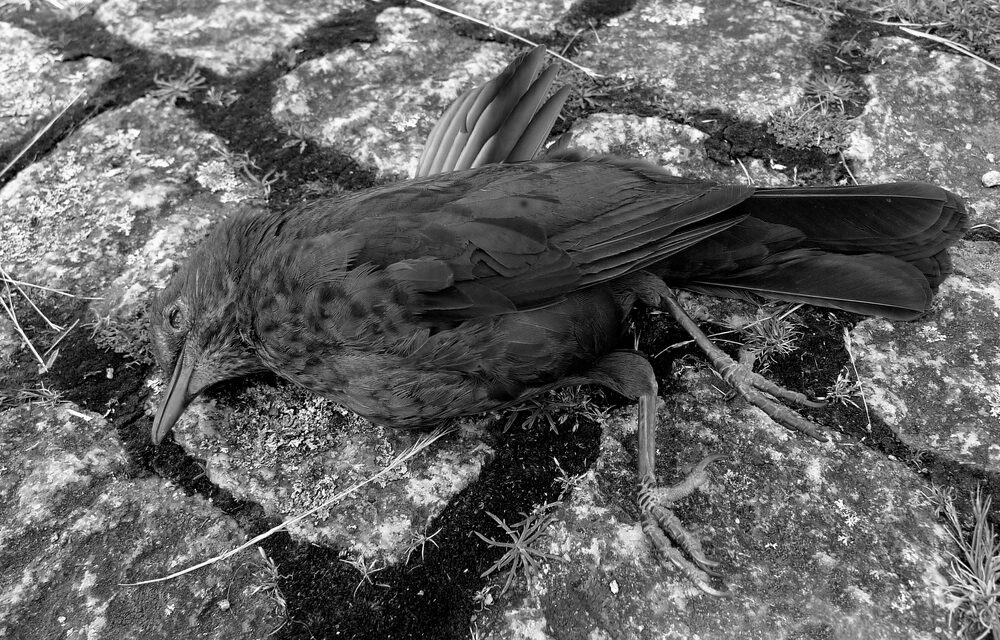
x=176 y=397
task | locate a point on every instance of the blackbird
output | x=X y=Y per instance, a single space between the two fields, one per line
x=495 y=276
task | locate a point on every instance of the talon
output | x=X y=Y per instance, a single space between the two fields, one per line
x=742 y=378
x=709 y=459
x=661 y=525
x=712 y=592
x=668 y=535
x=713 y=573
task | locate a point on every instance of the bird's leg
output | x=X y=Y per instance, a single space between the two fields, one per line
x=658 y=519
x=653 y=292
x=751 y=385
x=630 y=374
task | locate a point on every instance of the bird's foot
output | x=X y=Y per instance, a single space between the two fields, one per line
x=668 y=535
x=672 y=542
x=757 y=389
x=753 y=387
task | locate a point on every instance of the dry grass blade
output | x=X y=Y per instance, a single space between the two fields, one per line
x=459 y=14
x=951 y=44
x=41 y=133
x=820 y=10
x=27 y=298
x=8 y=307
x=423 y=443
x=847 y=168
x=21 y=283
x=10 y=285
x=984 y=226
x=857 y=376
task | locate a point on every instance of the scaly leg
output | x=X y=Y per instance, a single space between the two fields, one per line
x=743 y=379
x=630 y=374
x=658 y=519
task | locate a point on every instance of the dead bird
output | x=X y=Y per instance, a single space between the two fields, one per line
x=496 y=275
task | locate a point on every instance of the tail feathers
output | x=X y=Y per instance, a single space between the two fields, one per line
x=869 y=284
x=935 y=268
x=912 y=221
x=503 y=120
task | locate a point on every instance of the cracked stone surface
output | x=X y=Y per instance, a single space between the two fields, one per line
x=710 y=55
x=838 y=540
x=77 y=524
x=677 y=148
x=36 y=84
x=226 y=37
x=798 y=526
x=303 y=450
x=935 y=381
x=73 y=219
x=940 y=92
x=378 y=102
x=532 y=18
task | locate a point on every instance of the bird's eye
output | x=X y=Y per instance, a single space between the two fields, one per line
x=174 y=318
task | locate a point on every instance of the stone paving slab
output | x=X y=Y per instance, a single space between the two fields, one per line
x=226 y=37
x=36 y=84
x=711 y=55
x=77 y=524
x=838 y=540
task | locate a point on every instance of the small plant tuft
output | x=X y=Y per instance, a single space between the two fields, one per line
x=483 y=599
x=844 y=389
x=802 y=128
x=219 y=98
x=179 y=87
x=269 y=583
x=771 y=335
x=829 y=90
x=367 y=570
x=420 y=541
x=522 y=552
x=558 y=409
x=974 y=592
x=128 y=336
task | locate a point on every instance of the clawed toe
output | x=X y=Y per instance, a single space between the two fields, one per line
x=757 y=389
x=754 y=386
x=668 y=535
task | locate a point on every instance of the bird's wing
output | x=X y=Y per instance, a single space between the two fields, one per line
x=508 y=237
x=870 y=249
x=504 y=120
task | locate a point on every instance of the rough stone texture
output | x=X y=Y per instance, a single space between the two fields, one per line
x=834 y=540
x=110 y=212
x=226 y=37
x=527 y=18
x=815 y=540
x=75 y=526
x=936 y=121
x=301 y=450
x=677 y=148
x=73 y=219
x=936 y=381
x=378 y=102
x=35 y=84
x=711 y=54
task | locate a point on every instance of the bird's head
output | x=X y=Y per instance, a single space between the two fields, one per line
x=195 y=327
